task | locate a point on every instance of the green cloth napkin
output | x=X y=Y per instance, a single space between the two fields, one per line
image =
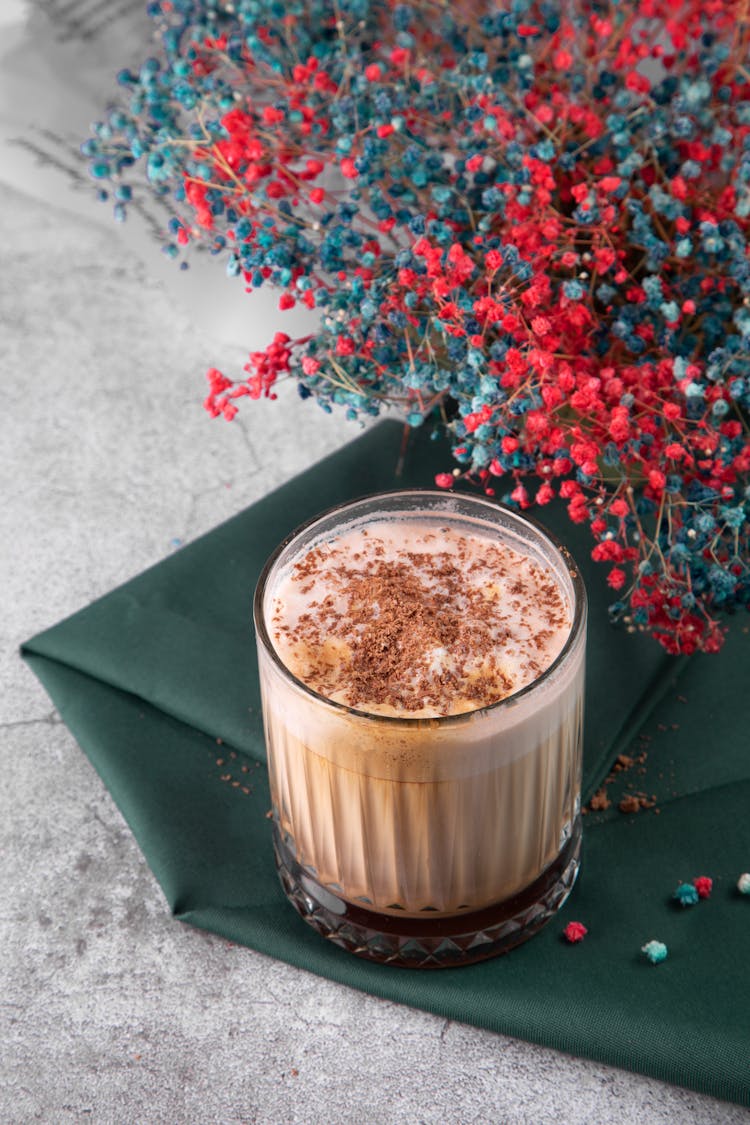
x=158 y=682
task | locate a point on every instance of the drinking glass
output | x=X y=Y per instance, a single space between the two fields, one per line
x=427 y=842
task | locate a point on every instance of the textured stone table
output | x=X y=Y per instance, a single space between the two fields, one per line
x=109 y=1010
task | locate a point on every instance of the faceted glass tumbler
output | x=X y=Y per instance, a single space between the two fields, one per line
x=427 y=842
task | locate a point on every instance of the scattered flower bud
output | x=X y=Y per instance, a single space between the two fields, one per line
x=574 y=932
x=655 y=951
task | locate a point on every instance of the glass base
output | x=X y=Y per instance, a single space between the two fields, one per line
x=430 y=943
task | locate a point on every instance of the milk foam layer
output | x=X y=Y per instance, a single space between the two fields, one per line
x=417 y=619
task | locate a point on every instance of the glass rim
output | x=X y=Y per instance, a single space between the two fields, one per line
x=573 y=570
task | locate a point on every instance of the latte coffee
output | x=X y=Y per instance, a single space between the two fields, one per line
x=421 y=664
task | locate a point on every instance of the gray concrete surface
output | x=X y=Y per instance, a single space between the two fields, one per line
x=110 y=1011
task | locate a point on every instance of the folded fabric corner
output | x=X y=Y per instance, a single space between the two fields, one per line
x=158 y=682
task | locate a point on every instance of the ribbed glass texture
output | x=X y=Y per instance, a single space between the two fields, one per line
x=426 y=818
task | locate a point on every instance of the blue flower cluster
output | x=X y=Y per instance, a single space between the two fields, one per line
x=531 y=223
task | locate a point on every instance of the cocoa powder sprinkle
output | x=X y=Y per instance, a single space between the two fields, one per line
x=420 y=629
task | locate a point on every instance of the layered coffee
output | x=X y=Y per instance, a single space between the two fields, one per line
x=421 y=664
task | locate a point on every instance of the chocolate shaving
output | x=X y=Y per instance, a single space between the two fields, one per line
x=412 y=633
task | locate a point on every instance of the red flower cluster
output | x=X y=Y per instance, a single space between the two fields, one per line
x=533 y=225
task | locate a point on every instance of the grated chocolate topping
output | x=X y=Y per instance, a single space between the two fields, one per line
x=407 y=619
